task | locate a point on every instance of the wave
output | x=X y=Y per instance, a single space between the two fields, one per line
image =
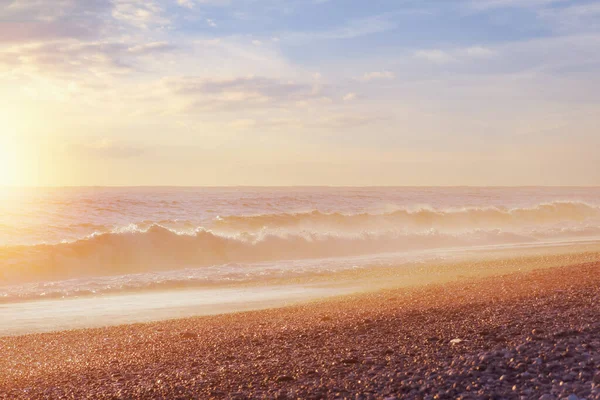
x=178 y=244
x=423 y=219
x=159 y=248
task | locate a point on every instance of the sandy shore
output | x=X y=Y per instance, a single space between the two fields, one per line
x=524 y=335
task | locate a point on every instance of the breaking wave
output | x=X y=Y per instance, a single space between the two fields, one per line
x=423 y=218
x=151 y=246
x=160 y=248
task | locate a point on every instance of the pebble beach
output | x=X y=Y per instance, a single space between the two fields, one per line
x=524 y=335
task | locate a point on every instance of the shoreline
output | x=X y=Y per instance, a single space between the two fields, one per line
x=520 y=335
x=129 y=307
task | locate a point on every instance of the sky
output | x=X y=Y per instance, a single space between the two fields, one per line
x=299 y=92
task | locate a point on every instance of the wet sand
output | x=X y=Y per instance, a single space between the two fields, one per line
x=121 y=308
x=525 y=335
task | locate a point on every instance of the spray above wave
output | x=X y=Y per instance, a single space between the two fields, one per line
x=418 y=219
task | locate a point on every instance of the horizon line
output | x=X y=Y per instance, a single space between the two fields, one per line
x=282 y=186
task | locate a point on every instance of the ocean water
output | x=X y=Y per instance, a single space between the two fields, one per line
x=68 y=243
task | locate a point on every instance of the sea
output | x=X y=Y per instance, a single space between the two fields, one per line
x=90 y=255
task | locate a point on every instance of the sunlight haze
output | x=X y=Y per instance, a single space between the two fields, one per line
x=294 y=92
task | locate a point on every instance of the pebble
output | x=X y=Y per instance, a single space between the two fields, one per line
x=188 y=335
x=285 y=378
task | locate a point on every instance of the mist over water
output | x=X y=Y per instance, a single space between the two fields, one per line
x=72 y=242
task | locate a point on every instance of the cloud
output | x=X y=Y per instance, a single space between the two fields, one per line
x=242 y=92
x=40 y=20
x=479 y=52
x=378 y=75
x=242 y=124
x=22 y=32
x=234 y=56
x=491 y=4
x=265 y=86
x=441 y=57
x=348 y=121
x=558 y=15
x=351 y=29
x=68 y=57
x=562 y=56
x=139 y=13
x=435 y=56
x=349 y=97
x=342 y=121
x=186 y=3
x=45 y=20
x=151 y=47
x=49 y=11
x=108 y=148
x=578 y=18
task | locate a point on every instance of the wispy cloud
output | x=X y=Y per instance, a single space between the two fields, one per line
x=578 y=18
x=453 y=55
x=435 y=56
x=492 y=4
x=242 y=92
x=378 y=75
x=51 y=11
x=479 y=52
x=72 y=56
x=350 y=97
x=108 y=148
x=40 y=20
x=186 y=3
x=140 y=13
x=351 y=29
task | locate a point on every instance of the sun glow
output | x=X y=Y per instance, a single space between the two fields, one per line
x=15 y=155
x=8 y=157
